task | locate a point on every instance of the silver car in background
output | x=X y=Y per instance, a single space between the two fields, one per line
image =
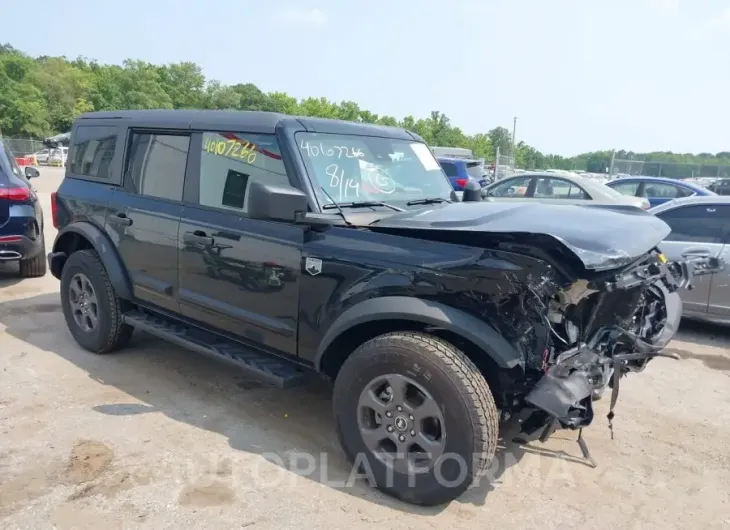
x=559 y=189
x=700 y=227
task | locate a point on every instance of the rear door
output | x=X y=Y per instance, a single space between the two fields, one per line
x=697 y=230
x=144 y=214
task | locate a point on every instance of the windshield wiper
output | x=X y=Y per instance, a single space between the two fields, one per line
x=429 y=200
x=334 y=205
x=361 y=204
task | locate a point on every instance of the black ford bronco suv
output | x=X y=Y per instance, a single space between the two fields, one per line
x=288 y=246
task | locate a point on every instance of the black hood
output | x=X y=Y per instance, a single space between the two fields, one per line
x=601 y=237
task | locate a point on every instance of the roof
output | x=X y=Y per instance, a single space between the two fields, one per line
x=457 y=159
x=252 y=121
x=695 y=199
x=661 y=180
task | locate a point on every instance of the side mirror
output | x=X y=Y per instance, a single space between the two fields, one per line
x=31 y=172
x=275 y=203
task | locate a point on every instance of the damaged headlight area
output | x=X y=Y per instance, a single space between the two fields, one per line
x=602 y=329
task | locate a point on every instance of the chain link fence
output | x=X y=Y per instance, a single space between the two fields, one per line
x=504 y=165
x=635 y=167
x=23 y=146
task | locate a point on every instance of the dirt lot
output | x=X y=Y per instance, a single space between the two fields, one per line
x=162 y=438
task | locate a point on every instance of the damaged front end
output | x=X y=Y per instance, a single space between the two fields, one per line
x=601 y=330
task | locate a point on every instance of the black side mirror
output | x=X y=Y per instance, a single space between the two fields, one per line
x=472 y=192
x=31 y=172
x=275 y=203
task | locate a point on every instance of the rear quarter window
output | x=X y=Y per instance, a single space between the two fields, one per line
x=92 y=151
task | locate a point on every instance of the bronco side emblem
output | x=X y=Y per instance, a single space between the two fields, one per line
x=313 y=266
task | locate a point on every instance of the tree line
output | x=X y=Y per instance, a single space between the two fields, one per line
x=40 y=96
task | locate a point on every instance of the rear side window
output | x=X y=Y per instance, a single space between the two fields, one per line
x=92 y=151
x=697 y=224
x=230 y=162
x=626 y=188
x=450 y=169
x=156 y=166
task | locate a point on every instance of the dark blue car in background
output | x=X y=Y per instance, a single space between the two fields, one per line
x=657 y=190
x=21 y=217
x=460 y=171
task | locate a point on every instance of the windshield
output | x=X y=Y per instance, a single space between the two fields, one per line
x=475 y=169
x=367 y=168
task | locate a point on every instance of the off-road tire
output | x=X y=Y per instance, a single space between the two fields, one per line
x=459 y=389
x=34 y=267
x=111 y=332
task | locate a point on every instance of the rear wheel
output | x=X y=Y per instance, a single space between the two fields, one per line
x=34 y=267
x=91 y=308
x=416 y=416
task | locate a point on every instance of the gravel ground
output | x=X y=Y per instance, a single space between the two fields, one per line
x=159 y=437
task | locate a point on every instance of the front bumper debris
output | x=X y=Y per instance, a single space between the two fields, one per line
x=563 y=397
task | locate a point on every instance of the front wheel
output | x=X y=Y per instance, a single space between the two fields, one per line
x=417 y=416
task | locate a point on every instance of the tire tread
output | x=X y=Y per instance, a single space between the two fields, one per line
x=119 y=332
x=478 y=397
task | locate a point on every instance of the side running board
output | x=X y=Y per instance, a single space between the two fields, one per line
x=275 y=370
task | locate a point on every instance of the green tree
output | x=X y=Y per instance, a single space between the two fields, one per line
x=41 y=96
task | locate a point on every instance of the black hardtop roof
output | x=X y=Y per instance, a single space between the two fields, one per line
x=242 y=120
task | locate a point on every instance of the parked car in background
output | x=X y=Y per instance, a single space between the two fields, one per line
x=700 y=227
x=52 y=156
x=561 y=189
x=720 y=187
x=21 y=217
x=460 y=171
x=42 y=156
x=657 y=190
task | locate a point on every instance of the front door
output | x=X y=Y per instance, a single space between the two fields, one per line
x=697 y=230
x=239 y=275
x=143 y=216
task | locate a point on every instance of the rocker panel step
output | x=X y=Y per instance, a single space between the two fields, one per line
x=274 y=370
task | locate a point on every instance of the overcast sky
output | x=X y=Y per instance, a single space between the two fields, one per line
x=579 y=74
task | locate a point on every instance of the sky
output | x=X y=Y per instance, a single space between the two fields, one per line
x=580 y=75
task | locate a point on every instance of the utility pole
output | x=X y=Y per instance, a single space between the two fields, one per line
x=514 y=129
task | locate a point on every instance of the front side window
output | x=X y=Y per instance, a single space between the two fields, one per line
x=230 y=162
x=92 y=151
x=347 y=168
x=516 y=187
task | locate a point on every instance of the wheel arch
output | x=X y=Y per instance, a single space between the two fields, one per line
x=84 y=235
x=489 y=350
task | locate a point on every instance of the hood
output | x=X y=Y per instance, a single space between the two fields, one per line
x=601 y=236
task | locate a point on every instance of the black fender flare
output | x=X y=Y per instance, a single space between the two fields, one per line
x=107 y=253
x=435 y=314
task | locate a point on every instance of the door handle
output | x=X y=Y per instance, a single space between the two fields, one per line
x=198 y=237
x=119 y=219
x=695 y=252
